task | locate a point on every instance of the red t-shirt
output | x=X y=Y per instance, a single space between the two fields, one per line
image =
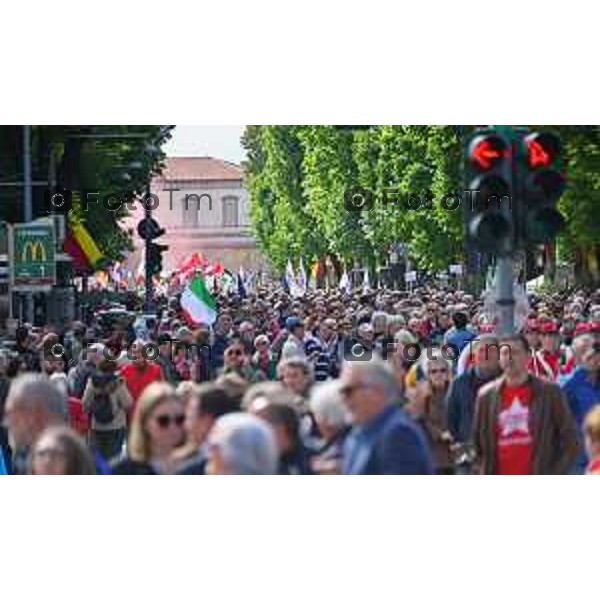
x=515 y=443
x=593 y=467
x=137 y=380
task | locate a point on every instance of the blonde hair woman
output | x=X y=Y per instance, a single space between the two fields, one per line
x=428 y=407
x=156 y=430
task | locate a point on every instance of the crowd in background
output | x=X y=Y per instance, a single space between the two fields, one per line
x=377 y=382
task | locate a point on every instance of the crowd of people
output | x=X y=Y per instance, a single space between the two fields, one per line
x=372 y=382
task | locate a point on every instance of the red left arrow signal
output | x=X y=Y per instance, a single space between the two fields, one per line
x=486 y=151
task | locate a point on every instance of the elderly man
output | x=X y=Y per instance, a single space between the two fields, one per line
x=384 y=440
x=241 y=444
x=33 y=404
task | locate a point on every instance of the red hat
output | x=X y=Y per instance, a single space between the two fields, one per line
x=594 y=327
x=582 y=328
x=549 y=327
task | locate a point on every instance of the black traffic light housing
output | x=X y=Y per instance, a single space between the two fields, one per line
x=488 y=196
x=541 y=184
x=149 y=230
x=154 y=263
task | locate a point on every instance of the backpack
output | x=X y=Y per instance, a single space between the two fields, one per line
x=102 y=408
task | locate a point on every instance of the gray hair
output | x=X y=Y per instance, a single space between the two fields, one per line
x=327 y=404
x=269 y=392
x=35 y=392
x=376 y=372
x=379 y=314
x=435 y=358
x=246 y=443
x=581 y=342
x=405 y=337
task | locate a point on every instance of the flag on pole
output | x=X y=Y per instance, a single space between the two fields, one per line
x=366 y=281
x=345 y=284
x=140 y=274
x=290 y=277
x=241 y=286
x=302 y=280
x=197 y=302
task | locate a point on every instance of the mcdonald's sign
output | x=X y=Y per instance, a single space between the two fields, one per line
x=33 y=249
x=33 y=252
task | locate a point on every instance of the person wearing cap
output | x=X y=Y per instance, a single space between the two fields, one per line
x=546 y=361
x=294 y=344
x=582 y=389
x=263 y=359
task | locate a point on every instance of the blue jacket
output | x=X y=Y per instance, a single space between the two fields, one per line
x=459 y=338
x=391 y=444
x=582 y=395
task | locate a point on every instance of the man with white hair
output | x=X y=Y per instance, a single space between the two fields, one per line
x=384 y=440
x=241 y=444
x=332 y=419
x=33 y=404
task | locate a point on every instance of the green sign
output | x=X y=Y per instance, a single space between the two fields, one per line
x=3 y=238
x=33 y=255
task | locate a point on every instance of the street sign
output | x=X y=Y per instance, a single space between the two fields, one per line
x=456 y=270
x=410 y=277
x=33 y=257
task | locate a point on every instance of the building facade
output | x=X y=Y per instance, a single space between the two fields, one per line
x=204 y=208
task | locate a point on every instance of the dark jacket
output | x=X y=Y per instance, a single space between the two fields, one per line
x=296 y=462
x=551 y=424
x=391 y=444
x=583 y=393
x=460 y=404
x=126 y=466
x=168 y=369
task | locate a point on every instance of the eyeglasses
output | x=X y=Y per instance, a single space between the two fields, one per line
x=165 y=421
x=234 y=353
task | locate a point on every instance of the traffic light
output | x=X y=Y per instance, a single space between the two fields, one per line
x=154 y=252
x=487 y=206
x=149 y=230
x=541 y=184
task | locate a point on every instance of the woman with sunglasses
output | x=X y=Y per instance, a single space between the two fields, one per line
x=156 y=431
x=428 y=407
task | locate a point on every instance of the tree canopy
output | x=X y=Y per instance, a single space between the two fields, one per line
x=298 y=176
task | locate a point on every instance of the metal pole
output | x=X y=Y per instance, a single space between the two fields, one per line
x=505 y=273
x=28 y=204
x=147 y=242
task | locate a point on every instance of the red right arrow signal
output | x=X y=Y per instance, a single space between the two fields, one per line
x=486 y=151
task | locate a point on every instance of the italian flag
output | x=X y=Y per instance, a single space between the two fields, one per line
x=197 y=303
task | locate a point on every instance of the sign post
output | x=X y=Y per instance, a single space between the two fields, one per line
x=33 y=254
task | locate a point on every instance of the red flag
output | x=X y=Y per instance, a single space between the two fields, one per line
x=74 y=250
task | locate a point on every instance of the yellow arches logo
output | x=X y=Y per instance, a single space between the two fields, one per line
x=36 y=250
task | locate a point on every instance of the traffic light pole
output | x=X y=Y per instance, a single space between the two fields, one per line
x=147 y=242
x=505 y=264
